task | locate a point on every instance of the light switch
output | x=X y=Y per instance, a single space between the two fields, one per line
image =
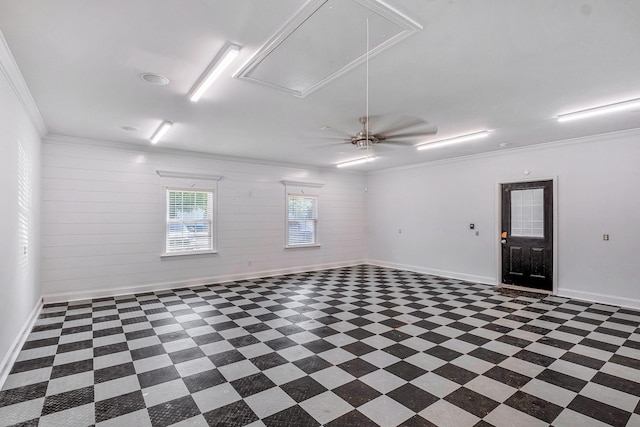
x=472 y=226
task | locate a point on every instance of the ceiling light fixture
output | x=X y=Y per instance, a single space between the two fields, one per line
x=162 y=129
x=213 y=71
x=611 y=108
x=356 y=161
x=456 y=140
x=154 y=79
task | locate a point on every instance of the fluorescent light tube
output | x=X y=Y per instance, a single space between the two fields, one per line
x=356 y=162
x=162 y=129
x=456 y=140
x=213 y=71
x=611 y=108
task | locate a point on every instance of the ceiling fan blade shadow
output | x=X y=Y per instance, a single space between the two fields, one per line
x=346 y=144
x=393 y=124
x=426 y=132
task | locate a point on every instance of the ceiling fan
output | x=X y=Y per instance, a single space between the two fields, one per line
x=395 y=133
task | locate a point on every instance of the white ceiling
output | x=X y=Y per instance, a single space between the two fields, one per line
x=510 y=66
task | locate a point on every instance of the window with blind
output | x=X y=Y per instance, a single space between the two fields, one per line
x=189 y=222
x=302 y=220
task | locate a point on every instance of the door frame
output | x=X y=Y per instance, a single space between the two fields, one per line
x=498 y=225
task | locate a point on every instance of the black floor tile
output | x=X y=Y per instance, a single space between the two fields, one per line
x=455 y=373
x=405 y=370
x=534 y=406
x=67 y=400
x=172 y=412
x=356 y=393
x=472 y=402
x=303 y=388
x=113 y=372
x=158 y=376
x=413 y=397
x=119 y=405
x=357 y=367
x=252 y=384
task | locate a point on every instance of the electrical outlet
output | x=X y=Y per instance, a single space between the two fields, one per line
x=477 y=233
x=399 y=230
x=605 y=237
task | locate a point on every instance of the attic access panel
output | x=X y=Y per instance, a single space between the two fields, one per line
x=323 y=40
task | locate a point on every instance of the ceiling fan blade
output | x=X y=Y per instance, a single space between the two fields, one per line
x=426 y=132
x=343 y=143
x=392 y=124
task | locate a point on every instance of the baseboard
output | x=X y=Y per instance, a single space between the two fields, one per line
x=18 y=342
x=155 y=287
x=600 y=298
x=442 y=273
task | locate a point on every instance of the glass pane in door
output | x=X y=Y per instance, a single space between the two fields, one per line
x=527 y=213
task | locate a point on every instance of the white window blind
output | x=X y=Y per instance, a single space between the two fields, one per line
x=189 y=225
x=302 y=220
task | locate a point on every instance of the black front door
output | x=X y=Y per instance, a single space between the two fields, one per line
x=527 y=234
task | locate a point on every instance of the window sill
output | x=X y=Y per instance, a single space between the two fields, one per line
x=313 y=245
x=187 y=254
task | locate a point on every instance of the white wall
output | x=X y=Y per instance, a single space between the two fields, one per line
x=598 y=193
x=19 y=273
x=103 y=219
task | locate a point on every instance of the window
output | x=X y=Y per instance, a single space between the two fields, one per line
x=302 y=220
x=527 y=213
x=189 y=222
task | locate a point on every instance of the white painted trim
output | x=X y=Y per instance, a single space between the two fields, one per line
x=10 y=69
x=302 y=184
x=188 y=175
x=600 y=298
x=18 y=342
x=147 y=148
x=442 y=273
x=543 y=145
x=498 y=225
x=407 y=26
x=155 y=287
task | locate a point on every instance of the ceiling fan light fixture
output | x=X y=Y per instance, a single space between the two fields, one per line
x=455 y=140
x=222 y=60
x=161 y=131
x=360 y=161
x=597 y=111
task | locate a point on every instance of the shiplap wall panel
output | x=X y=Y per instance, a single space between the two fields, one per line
x=103 y=218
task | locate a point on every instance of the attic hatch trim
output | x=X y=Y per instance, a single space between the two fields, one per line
x=407 y=25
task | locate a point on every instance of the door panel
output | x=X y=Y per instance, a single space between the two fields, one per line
x=527 y=234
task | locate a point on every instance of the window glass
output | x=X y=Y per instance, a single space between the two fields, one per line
x=302 y=220
x=527 y=213
x=189 y=224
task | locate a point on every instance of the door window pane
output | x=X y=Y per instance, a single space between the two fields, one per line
x=527 y=213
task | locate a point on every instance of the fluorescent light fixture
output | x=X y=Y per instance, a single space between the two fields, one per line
x=213 y=71
x=162 y=129
x=356 y=162
x=456 y=140
x=611 y=108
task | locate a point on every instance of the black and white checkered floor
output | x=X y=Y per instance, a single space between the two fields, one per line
x=358 y=346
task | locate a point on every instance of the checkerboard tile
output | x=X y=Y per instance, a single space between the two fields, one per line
x=356 y=346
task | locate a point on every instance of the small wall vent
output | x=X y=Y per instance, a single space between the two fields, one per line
x=323 y=40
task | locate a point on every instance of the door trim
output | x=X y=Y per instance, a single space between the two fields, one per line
x=498 y=225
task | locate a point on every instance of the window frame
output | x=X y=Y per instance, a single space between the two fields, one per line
x=316 y=242
x=213 y=222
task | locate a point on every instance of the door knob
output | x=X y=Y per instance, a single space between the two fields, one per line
x=503 y=241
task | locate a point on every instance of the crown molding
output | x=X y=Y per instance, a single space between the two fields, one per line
x=534 y=147
x=146 y=148
x=14 y=77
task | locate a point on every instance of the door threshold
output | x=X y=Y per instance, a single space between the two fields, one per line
x=525 y=289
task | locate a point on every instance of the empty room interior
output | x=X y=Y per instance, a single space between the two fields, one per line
x=320 y=213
